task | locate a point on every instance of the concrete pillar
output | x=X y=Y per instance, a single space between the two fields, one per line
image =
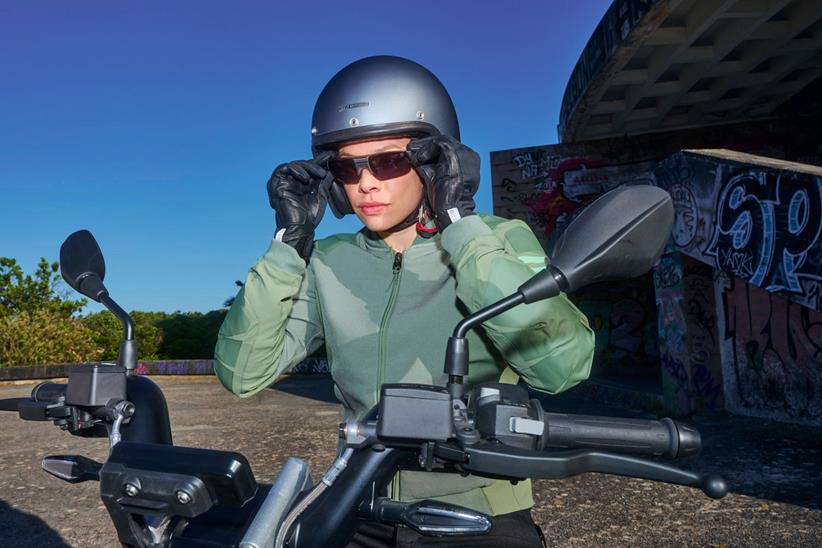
x=688 y=335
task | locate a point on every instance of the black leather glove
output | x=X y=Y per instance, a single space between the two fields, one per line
x=298 y=193
x=451 y=172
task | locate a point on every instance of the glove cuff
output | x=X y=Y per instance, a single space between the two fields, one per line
x=300 y=237
x=452 y=215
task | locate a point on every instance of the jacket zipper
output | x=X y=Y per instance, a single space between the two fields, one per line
x=386 y=317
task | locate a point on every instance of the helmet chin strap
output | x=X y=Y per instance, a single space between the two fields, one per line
x=412 y=218
x=419 y=217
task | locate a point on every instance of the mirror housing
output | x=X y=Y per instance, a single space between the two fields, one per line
x=82 y=265
x=619 y=235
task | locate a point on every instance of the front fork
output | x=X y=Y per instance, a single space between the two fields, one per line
x=333 y=518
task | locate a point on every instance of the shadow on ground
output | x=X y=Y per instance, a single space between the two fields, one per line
x=23 y=530
x=757 y=457
x=315 y=387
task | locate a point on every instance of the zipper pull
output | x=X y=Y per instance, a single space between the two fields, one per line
x=397 y=262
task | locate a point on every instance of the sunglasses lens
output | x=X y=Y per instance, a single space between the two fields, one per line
x=389 y=165
x=344 y=170
x=384 y=166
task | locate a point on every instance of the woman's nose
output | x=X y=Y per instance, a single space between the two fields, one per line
x=368 y=182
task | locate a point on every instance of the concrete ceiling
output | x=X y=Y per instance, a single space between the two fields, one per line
x=691 y=63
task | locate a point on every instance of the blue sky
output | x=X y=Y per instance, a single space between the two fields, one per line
x=155 y=124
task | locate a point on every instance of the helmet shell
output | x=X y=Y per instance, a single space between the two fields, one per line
x=375 y=97
x=380 y=96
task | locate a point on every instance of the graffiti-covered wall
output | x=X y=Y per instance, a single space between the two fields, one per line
x=689 y=342
x=757 y=219
x=756 y=224
x=771 y=354
x=546 y=187
x=740 y=220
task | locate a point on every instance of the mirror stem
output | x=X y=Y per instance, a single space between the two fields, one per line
x=456 y=354
x=122 y=315
x=128 y=346
x=486 y=313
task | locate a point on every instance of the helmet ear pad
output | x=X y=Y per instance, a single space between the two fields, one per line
x=338 y=200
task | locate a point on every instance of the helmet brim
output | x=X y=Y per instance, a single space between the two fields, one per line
x=333 y=139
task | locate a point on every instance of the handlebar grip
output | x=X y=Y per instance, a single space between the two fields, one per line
x=11 y=404
x=665 y=437
x=48 y=391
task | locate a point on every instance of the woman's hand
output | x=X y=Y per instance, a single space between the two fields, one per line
x=451 y=172
x=298 y=193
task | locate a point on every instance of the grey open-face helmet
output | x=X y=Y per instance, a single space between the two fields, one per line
x=379 y=96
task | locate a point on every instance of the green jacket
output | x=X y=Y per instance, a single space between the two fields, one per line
x=385 y=317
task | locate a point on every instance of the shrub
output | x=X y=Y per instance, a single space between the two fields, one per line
x=45 y=336
x=107 y=332
x=190 y=335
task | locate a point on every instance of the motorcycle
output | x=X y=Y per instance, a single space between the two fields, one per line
x=158 y=494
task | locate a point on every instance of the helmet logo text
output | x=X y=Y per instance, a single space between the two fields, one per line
x=349 y=106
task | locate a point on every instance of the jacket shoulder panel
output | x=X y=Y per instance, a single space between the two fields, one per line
x=329 y=243
x=515 y=233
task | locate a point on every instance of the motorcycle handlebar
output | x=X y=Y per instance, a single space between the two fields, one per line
x=665 y=437
x=11 y=404
x=44 y=392
x=48 y=391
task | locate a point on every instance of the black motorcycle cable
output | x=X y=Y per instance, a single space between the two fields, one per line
x=327 y=480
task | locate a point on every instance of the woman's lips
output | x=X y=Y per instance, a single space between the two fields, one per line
x=373 y=208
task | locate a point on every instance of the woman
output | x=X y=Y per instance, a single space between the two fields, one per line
x=386 y=148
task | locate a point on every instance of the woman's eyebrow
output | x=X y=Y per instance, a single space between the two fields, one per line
x=386 y=148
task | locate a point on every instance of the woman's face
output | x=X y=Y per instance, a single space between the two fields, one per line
x=381 y=205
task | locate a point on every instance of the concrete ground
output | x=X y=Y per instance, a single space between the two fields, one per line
x=774 y=470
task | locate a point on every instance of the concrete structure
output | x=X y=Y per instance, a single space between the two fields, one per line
x=660 y=65
x=745 y=239
x=740 y=318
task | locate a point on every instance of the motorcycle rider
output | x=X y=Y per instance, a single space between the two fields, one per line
x=386 y=147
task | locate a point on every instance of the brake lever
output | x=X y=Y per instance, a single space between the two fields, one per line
x=31 y=410
x=500 y=461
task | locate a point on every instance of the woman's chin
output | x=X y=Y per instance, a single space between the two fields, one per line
x=379 y=224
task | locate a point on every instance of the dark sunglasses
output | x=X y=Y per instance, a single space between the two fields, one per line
x=383 y=166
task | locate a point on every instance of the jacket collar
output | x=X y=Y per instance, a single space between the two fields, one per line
x=372 y=243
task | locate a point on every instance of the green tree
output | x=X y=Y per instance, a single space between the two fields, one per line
x=107 y=332
x=21 y=292
x=190 y=335
x=44 y=336
x=36 y=319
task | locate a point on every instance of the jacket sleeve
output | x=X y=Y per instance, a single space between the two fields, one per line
x=273 y=324
x=548 y=343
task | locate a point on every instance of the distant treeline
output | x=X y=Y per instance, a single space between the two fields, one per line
x=160 y=335
x=40 y=325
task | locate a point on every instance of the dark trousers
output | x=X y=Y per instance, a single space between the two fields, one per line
x=514 y=530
